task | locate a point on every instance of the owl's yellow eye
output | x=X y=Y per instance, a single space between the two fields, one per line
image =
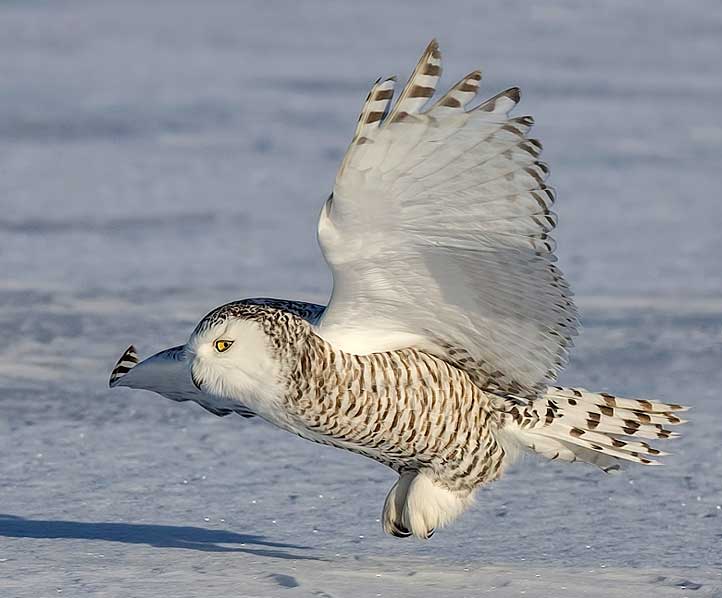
x=221 y=345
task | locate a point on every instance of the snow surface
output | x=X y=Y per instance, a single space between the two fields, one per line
x=160 y=158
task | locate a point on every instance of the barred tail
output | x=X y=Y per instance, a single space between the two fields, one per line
x=573 y=424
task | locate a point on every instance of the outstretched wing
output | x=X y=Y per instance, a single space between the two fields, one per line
x=437 y=234
x=166 y=373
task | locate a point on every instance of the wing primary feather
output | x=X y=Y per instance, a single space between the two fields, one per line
x=128 y=360
x=461 y=94
x=375 y=107
x=373 y=113
x=421 y=84
x=502 y=103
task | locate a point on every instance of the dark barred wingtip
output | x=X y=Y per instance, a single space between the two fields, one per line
x=128 y=360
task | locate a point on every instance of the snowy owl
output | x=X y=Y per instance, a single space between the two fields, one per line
x=447 y=324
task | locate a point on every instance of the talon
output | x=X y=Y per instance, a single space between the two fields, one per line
x=399 y=531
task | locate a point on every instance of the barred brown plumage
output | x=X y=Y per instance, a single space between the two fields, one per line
x=424 y=416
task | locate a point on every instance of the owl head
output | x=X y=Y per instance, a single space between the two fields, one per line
x=233 y=355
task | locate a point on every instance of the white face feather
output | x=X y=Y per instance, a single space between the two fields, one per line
x=246 y=373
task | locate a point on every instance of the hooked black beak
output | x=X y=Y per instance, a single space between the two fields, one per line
x=196 y=382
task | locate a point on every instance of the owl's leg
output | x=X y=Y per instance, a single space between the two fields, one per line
x=394 y=506
x=429 y=506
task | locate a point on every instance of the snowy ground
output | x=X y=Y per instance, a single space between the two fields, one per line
x=158 y=159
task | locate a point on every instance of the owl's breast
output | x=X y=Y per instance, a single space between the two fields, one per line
x=404 y=408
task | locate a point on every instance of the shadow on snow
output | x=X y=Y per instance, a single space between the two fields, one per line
x=160 y=536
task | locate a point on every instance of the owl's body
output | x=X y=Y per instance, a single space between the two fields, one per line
x=408 y=409
x=447 y=323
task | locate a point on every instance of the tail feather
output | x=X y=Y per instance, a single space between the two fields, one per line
x=621 y=449
x=556 y=449
x=574 y=424
x=604 y=399
x=608 y=414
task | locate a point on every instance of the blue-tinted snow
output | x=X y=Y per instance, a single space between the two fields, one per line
x=158 y=159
